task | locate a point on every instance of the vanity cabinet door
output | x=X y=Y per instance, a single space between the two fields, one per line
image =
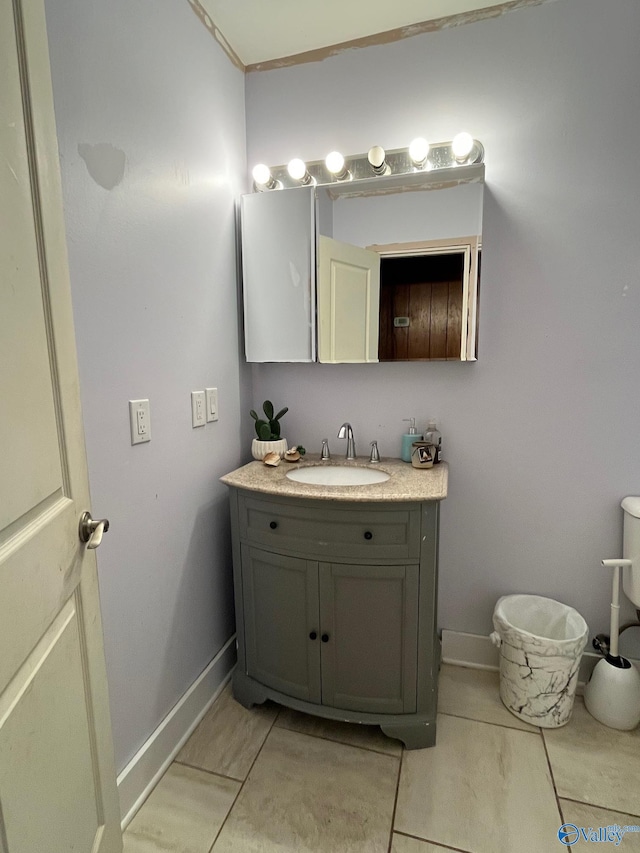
x=369 y=634
x=280 y=619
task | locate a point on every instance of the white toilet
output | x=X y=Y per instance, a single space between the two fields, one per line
x=631 y=549
x=612 y=694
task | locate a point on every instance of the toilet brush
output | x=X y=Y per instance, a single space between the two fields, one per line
x=612 y=693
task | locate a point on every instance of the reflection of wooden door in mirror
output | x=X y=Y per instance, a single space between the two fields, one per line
x=421 y=307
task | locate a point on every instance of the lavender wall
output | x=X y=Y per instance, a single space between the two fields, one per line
x=151 y=129
x=542 y=433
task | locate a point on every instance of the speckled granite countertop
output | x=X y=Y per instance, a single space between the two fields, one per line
x=405 y=483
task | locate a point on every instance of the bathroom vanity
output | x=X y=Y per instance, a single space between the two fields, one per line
x=335 y=595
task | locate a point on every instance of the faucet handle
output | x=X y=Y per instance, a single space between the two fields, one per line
x=325 y=453
x=375 y=454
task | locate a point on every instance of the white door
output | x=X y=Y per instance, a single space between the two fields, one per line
x=57 y=781
x=348 y=302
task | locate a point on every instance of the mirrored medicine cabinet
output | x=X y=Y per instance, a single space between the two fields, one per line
x=353 y=273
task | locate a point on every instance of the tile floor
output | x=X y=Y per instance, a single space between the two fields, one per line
x=271 y=779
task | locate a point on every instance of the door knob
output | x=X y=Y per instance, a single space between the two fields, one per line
x=91 y=531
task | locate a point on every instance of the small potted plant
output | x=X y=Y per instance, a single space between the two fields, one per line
x=268 y=432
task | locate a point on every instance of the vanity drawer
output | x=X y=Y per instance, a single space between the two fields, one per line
x=360 y=531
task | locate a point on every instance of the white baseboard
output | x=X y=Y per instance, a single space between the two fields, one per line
x=147 y=766
x=472 y=650
x=478 y=652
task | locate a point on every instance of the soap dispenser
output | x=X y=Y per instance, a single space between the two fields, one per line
x=407 y=440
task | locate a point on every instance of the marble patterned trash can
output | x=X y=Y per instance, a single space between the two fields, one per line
x=541 y=643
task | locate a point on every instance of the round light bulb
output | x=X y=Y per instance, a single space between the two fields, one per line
x=418 y=150
x=297 y=169
x=376 y=156
x=261 y=174
x=335 y=162
x=462 y=145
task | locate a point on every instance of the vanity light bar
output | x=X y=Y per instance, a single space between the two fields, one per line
x=462 y=151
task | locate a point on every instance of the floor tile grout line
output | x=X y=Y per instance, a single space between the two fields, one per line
x=553 y=778
x=431 y=841
x=602 y=808
x=241 y=789
x=206 y=770
x=395 y=802
x=235 y=800
x=501 y=725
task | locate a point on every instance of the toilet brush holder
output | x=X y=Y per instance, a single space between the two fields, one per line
x=612 y=693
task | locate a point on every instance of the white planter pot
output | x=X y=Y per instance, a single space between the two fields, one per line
x=259 y=449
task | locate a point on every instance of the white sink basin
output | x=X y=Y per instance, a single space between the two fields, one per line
x=338 y=475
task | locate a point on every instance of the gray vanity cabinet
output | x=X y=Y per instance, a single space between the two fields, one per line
x=335 y=609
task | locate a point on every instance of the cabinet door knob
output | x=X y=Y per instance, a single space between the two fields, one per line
x=273 y=525
x=313 y=635
x=368 y=534
x=325 y=638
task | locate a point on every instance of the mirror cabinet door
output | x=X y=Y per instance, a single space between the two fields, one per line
x=278 y=266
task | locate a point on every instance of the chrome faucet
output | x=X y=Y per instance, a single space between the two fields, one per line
x=346 y=432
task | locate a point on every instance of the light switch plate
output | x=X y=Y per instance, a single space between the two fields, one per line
x=212 y=403
x=198 y=413
x=140 y=421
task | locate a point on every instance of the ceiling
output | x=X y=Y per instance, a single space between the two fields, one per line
x=261 y=31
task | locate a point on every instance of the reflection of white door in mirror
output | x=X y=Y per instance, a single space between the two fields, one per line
x=348 y=300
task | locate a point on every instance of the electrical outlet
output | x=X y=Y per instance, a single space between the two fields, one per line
x=212 y=403
x=198 y=409
x=140 y=421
